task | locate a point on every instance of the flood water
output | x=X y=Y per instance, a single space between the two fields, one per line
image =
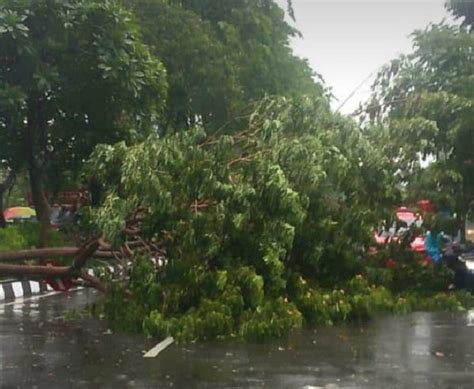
x=421 y=350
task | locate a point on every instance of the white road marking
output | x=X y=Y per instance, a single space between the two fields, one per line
x=159 y=348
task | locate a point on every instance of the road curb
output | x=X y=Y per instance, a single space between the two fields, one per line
x=12 y=290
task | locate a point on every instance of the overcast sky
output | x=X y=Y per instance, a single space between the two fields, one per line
x=346 y=40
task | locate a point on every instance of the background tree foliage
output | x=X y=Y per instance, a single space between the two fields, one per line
x=423 y=109
x=73 y=74
x=221 y=56
x=203 y=85
x=463 y=9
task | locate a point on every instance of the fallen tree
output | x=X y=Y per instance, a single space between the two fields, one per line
x=254 y=223
x=56 y=252
x=12 y=262
x=73 y=271
x=264 y=230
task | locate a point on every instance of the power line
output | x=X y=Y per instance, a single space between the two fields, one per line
x=357 y=88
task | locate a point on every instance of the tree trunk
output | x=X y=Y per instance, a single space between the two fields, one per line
x=42 y=272
x=74 y=271
x=33 y=272
x=47 y=253
x=3 y=222
x=41 y=205
x=4 y=186
x=34 y=143
x=95 y=192
x=56 y=252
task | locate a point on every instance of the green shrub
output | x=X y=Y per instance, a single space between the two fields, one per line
x=273 y=320
x=216 y=320
x=23 y=236
x=11 y=239
x=232 y=297
x=314 y=307
x=403 y=306
x=251 y=286
x=379 y=276
x=223 y=304
x=440 y=302
x=421 y=276
x=155 y=326
x=465 y=298
x=122 y=313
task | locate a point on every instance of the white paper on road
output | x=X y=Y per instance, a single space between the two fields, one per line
x=159 y=348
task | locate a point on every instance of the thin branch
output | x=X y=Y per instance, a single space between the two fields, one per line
x=372 y=107
x=93 y=281
x=84 y=254
x=23 y=255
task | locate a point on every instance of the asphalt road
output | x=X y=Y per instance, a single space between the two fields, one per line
x=38 y=348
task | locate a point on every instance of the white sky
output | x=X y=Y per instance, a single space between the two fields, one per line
x=346 y=40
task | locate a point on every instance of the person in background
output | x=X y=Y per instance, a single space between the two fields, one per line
x=432 y=244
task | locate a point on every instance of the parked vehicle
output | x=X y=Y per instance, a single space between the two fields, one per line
x=458 y=257
x=466 y=257
x=406 y=221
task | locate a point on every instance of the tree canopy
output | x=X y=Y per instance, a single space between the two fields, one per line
x=294 y=194
x=73 y=74
x=463 y=9
x=425 y=102
x=221 y=56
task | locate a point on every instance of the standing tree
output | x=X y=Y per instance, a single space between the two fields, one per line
x=203 y=87
x=425 y=102
x=258 y=39
x=73 y=74
x=221 y=56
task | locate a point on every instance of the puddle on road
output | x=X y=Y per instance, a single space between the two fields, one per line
x=392 y=351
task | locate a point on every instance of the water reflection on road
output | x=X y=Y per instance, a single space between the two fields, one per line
x=415 y=351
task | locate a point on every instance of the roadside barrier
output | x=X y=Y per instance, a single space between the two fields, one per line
x=13 y=289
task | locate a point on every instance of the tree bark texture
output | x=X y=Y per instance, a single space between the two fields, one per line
x=38 y=272
x=34 y=142
x=46 y=253
x=5 y=184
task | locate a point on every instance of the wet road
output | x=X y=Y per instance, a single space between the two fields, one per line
x=39 y=349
